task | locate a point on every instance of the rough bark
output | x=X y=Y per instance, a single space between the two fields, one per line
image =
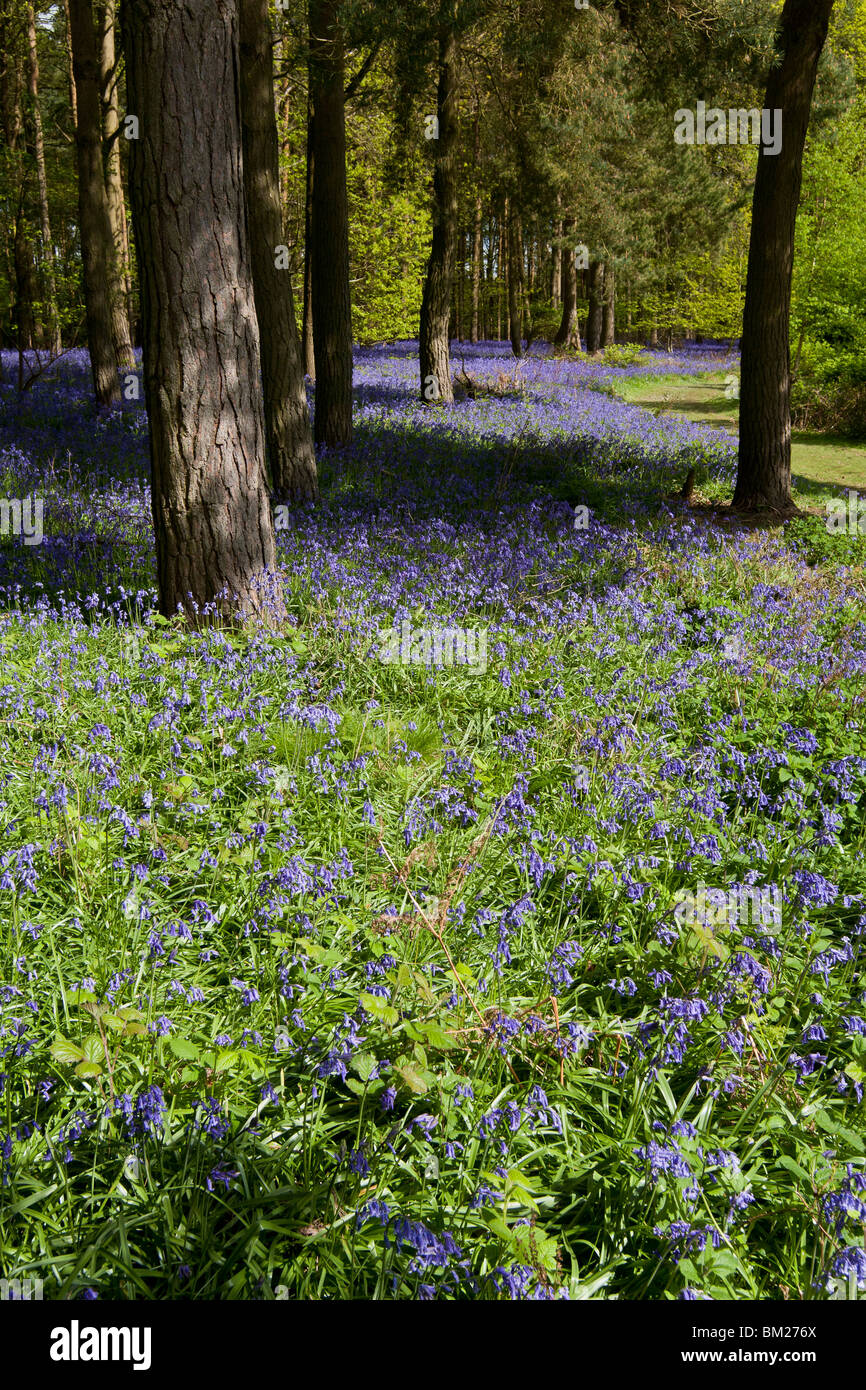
x=595 y=316
x=332 y=307
x=567 y=334
x=93 y=220
x=118 y=276
x=50 y=291
x=608 y=331
x=435 y=362
x=764 y=472
x=308 y=353
x=211 y=509
x=291 y=454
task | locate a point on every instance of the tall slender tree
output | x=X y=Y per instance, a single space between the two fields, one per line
x=764 y=471
x=97 y=248
x=211 y=512
x=307 y=349
x=119 y=263
x=567 y=334
x=435 y=360
x=287 y=420
x=329 y=228
x=50 y=290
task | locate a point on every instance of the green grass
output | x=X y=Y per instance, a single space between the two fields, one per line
x=815 y=458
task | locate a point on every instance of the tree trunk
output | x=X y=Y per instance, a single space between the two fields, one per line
x=94 y=224
x=214 y=531
x=114 y=188
x=557 y=257
x=329 y=283
x=25 y=287
x=515 y=278
x=500 y=263
x=567 y=334
x=308 y=353
x=595 y=314
x=287 y=418
x=608 y=332
x=764 y=472
x=73 y=95
x=42 y=181
x=476 y=272
x=435 y=361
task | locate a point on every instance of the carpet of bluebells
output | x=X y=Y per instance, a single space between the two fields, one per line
x=329 y=977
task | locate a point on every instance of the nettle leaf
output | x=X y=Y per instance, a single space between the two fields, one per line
x=184 y=1049
x=93 y=1048
x=356 y=1087
x=226 y=1060
x=535 y=1248
x=251 y=1062
x=92 y=1008
x=62 y=1050
x=88 y=1069
x=379 y=1008
x=364 y=1064
x=437 y=1037
x=412 y=1078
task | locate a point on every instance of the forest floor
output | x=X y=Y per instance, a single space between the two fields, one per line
x=334 y=969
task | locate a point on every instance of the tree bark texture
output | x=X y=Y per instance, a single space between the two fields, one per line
x=567 y=334
x=435 y=361
x=117 y=286
x=764 y=471
x=94 y=225
x=332 y=308
x=595 y=317
x=50 y=291
x=211 y=509
x=287 y=419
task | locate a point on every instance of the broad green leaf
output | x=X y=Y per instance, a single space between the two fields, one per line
x=412 y=1077
x=63 y=1050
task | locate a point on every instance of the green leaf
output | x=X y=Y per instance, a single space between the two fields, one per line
x=793 y=1166
x=496 y=1224
x=63 y=1050
x=413 y=1078
x=88 y=1069
x=93 y=1049
x=225 y=1060
x=356 y=1087
x=437 y=1037
x=379 y=1008
x=184 y=1049
x=364 y=1064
